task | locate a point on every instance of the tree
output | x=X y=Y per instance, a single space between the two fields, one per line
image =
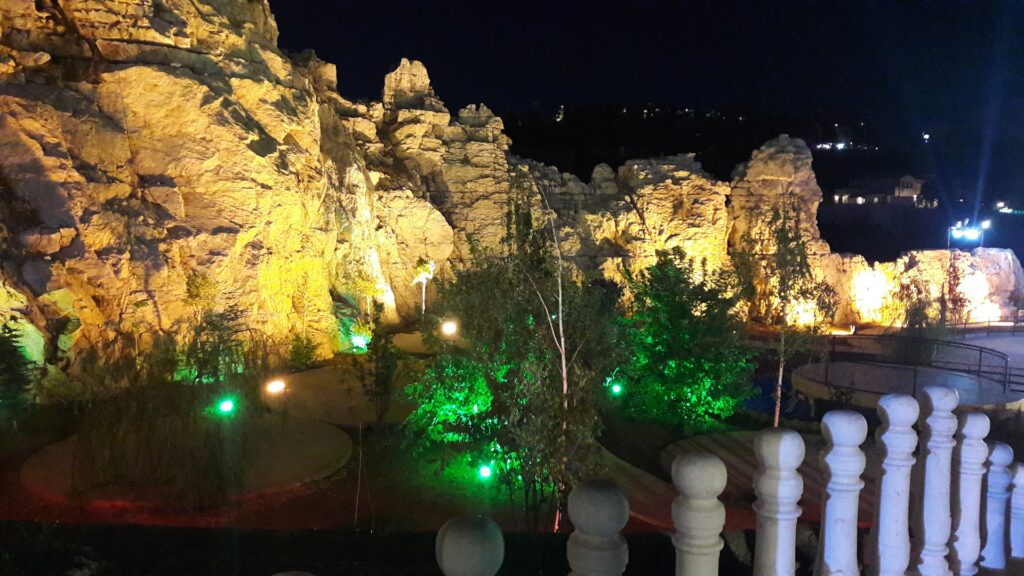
x=521 y=392
x=953 y=304
x=779 y=283
x=15 y=369
x=687 y=361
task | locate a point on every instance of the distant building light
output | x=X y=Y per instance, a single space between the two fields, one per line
x=986 y=224
x=840 y=145
x=1000 y=204
x=860 y=199
x=1006 y=210
x=926 y=136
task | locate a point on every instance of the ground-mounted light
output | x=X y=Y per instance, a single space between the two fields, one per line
x=449 y=328
x=275 y=387
x=485 y=471
x=359 y=341
x=226 y=406
x=617 y=389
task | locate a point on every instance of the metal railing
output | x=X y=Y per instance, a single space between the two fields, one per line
x=916 y=352
x=1008 y=325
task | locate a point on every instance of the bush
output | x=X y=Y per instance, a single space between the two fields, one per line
x=302 y=355
x=15 y=370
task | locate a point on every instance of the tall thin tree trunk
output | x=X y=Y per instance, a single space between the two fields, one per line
x=778 y=382
x=423 y=297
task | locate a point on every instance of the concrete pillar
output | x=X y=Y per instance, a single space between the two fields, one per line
x=778 y=486
x=969 y=469
x=470 y=546
x=599 y=511
x=933 y=522
x=897 y=440
x=997 y=496
x=697 y=514
x=842 y=463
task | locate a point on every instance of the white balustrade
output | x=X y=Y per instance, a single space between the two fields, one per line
x=697 y=513
x=997 y=496
x=778 y=486
x=969 y=469
x=1017 y=512
x=842 y=463
x=470 y=546
x=599 y=511
x=897 y=440
x=933 y=524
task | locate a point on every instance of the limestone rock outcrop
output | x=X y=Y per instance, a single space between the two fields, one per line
x=778 y=177
x=145 y=144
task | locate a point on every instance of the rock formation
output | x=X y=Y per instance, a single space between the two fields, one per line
x=145 y=145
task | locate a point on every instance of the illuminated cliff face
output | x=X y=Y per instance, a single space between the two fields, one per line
x=143 y=144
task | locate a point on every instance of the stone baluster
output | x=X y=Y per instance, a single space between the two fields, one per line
x=897 y=440
x=933 y=521
x=842 y=462
x=969 y=469
x=470 y=546
x=778 y=486
x=599 y=511
x=697 y=514
x=997 y=495
x=1017 y=513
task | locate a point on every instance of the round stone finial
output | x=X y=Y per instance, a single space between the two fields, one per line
x=940 y=398
x=900 y=410
x=598 y=507
x=844 y=428
x=470 y=546
x=974 y=425
x=1001 y=454
x=779 y=448
x=699 y=475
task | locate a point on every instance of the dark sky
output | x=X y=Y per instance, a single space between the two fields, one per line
x=953 y=69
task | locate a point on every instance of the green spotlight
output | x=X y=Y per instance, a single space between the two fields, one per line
x=616 y=389
x=226 y=406
x=485 y=472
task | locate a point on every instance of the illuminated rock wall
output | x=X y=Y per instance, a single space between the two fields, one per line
x=145 y=143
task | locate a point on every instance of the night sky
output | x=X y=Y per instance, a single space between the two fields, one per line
x=952 y=69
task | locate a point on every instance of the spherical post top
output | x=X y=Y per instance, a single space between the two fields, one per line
x=898 y=410
x=779 y=448
x=1001 y=455
x=699 y=475
x=844 y=428
x=940 y=398
x=598 y=508
x=470 y=546
x=974 y=425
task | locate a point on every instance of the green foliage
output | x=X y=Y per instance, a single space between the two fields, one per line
x=214 y=350
x=688 y=362
x=15 y=369
x=498 y=395
x=302 y=353
x=378 y=372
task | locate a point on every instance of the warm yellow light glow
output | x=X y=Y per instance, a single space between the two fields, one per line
x=870 y=289
x=449 y=328
x=803 y=313
x=976 y=289
x=275 y=387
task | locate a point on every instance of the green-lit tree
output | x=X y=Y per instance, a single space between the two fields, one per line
x=687 y=358
x=520 y=393
x=774 y=266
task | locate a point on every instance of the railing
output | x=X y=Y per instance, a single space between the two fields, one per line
x=1008 y=325
x=916 y=352
x=968 y=504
